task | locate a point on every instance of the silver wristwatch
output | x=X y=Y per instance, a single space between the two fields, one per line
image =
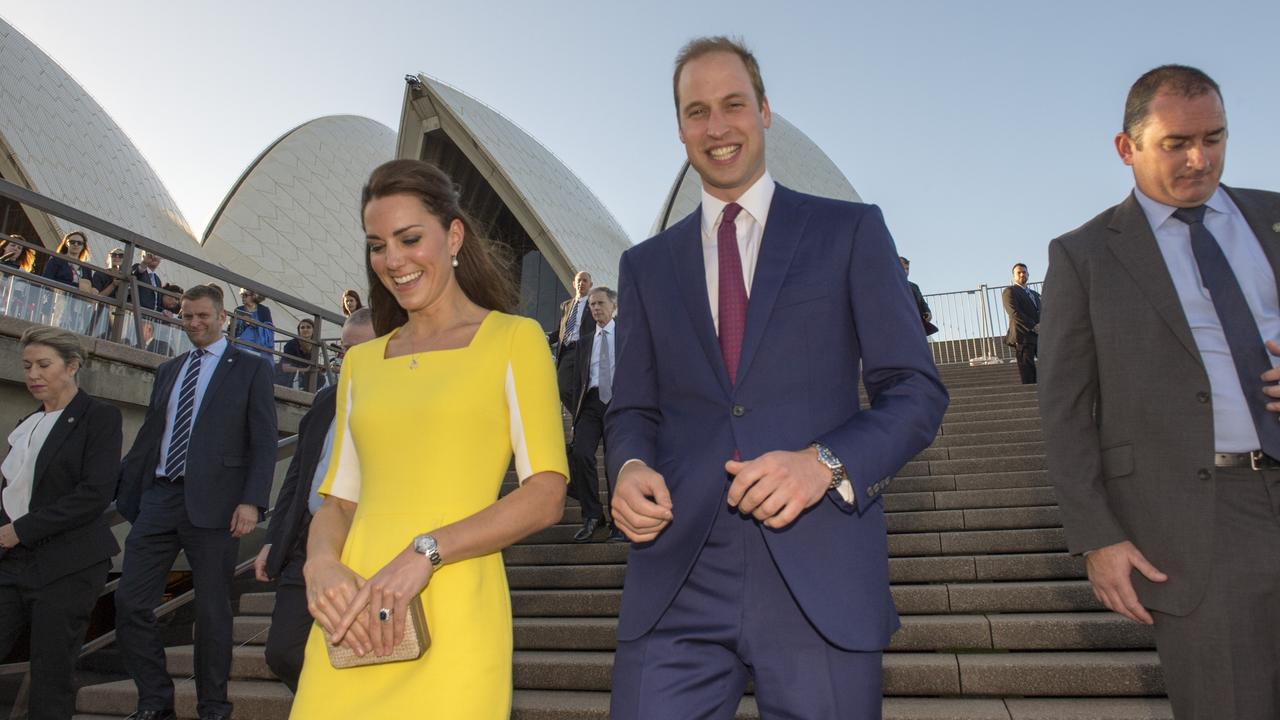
x=426 y=545
x=828 y=458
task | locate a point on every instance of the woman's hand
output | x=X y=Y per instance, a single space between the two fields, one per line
x=9 y=537
x=331 y=590
x=391 y=587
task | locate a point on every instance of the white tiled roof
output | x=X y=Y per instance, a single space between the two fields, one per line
x=793 y=160
x=67 y=147
x=577 y=222
x=292 y=222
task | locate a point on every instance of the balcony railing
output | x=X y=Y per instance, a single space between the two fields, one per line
x=971 y=326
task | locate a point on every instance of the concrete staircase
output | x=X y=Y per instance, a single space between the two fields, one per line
x=998 y=621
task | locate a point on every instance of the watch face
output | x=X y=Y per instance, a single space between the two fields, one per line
x=424 y=544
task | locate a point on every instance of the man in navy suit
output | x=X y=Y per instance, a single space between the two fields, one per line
x=197 y=479
x=1022 y=304
x=748 y=477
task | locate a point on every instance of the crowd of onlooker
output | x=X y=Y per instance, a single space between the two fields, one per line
x=302 y=362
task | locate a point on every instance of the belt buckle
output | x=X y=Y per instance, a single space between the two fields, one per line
x=1255 y=459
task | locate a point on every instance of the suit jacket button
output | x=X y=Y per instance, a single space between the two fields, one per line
x=1204 y=474
x=1202 y=396
x=739 y=411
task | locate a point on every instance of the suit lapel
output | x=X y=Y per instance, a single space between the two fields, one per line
x=1264 y=220
x=782 y=232
x=226 y=364
x=67 y=422
x=1134 y=245
x=691 y=277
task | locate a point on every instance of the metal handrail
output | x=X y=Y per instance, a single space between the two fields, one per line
x=968 y=322
x=114 y=518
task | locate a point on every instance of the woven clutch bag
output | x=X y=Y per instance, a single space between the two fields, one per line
x=415 y=642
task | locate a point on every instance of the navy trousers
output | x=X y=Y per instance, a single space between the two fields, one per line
x=161 y=531
x=734 y=619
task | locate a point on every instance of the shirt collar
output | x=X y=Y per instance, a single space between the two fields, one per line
x=607 y=328
x=1158 y=213
x=755 y=201
x=217 y=349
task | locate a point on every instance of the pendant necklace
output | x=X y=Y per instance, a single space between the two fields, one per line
x=413 y=362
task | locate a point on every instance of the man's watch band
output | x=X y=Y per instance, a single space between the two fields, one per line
x=828 y=458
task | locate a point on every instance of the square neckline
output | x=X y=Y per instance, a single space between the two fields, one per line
x=471 y=343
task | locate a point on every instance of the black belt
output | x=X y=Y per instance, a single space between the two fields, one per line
x=171 y=480
x=1256 y=460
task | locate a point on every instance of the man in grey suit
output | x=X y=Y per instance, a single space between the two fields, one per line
x=1160 y=441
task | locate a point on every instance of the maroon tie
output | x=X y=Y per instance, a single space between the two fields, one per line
x=733 y=291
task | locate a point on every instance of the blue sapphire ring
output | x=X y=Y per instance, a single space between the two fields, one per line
x=384 y=615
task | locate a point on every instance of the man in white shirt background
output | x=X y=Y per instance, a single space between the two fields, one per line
x=596 y=360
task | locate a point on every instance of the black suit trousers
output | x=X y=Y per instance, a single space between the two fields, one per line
x=567 y=377
x=588 y=433
x=290 y=623
x=58 y=613
x=161 y=530
x=1025 y=353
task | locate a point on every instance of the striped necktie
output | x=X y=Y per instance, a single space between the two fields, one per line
x=571 y=325
x=175 y=465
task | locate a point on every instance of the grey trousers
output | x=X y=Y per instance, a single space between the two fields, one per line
x=1222 y=662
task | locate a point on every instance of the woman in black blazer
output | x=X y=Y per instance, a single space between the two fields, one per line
x=55 y=546
x=69 y=273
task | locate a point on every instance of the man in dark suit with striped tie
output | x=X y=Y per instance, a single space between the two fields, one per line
x=1023 y=307
x=196 y=480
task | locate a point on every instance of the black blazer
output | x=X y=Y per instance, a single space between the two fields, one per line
x=1023 y=314
x=291 y=503
x=75 y=478
x=58 y=269
x=232 y=455
x=582 y=356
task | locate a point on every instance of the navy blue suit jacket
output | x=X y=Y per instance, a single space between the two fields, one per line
x=232 y=455
x=828 y=299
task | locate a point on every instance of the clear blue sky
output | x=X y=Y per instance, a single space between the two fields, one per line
x=983 y=127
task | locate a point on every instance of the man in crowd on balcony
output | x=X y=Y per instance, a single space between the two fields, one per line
x=748 y=477
x=1022 y=304
x=196 y=480
x=145 y=271
x=1160 y=406
x=574 y=318
x=597 y=357
x=285 y=553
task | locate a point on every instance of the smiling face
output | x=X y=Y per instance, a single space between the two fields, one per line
x=202 y=321
x=46 y=375
x=722 y=123
x=1178 y=156
x=410 y=251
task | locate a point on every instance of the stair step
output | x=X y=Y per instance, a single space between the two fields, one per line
x=254 y=700
x=988 y=438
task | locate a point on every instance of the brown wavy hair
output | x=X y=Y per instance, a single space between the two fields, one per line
x=484 y=269
x=84 y=249
x=26 y=258
x=343 y=301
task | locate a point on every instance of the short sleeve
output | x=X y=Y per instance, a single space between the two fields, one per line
x=533 y=404
x=342 y=480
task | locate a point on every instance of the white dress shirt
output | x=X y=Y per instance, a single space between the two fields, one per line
x=572 y=328
x=19 y=467
x=208 y=364
x=1233 y=428
x=593 y=379
x=750 y=222
x=314 y=499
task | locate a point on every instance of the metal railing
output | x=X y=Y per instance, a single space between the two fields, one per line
x=139 y=313
x=971 y=326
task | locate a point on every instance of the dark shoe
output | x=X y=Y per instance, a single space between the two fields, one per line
x=616 y=536
x=215 y=716
x=155 y=715
x=588 y=529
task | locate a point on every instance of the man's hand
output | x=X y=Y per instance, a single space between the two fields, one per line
x=1110 y=568
x=641 y=504
x=1271 y=377
x=260 y=564
x=777 y=486
x=243 y=520
x=8 y=537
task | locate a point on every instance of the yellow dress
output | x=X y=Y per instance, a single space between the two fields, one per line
x=417 y=448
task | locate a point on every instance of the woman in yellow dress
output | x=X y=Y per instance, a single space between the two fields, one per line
x=429 y=417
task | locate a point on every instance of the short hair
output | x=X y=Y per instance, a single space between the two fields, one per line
x=1019 y=265
x=1181 y=80
x=217 y=290
x=360 y=316
x=64 y=342
x=700 y=46
x=903 y=260
x=613 y=294
x=201 y=292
